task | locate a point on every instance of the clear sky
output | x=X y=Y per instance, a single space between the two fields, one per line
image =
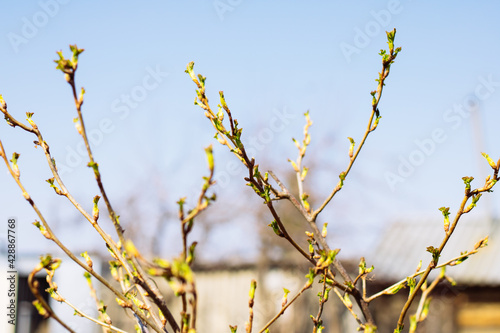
x=274 y=60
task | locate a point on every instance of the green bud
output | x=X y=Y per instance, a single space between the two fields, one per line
x=162 y=263
x=482 y=243
x=304 y=198
x=393 y=290
x=80 y=99
x=87 y=276
x=190 y=257
x=347 y=301
x=76 y=52
x=87 y=258
x=41 y=310
x=9 y=121
x=324 y=230
x=181 y=270
x=202 y=79
x=413 y=323
x=3 y=104
x=113 y=269
x=303 y=174
x=190 y=71
x=311 y=248
x=294 y=165
x=307 y=139
x=284 y=301
x=390 y=39
x=253 y=287
x=276 y=229
x=131 y=249
x=342 y=178
x=220 y=114
x=411 y=282
x=15 y=168
x=42 y=229
x=374 y=98
x=95 y=209
x=29 y=115
x=267 y=193
x=490 y=161
x=467 y=181
x=399 y=329
x=210 y=157
x=476 y=198
x=94 y=166
x=256 y=171
x=362 y=265
x=445 y=211
x=222 y=100
x=311 y=275
x=56 y=189
x=351 y=148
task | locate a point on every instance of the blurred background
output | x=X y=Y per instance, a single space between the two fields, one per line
x=274 y=61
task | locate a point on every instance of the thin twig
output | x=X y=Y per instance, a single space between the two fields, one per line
x=63 y=190
x=386 y=291
x=251 y=301
x=83 y=314
x=260 y=184
x=48 y=233
x=348 y=306
x=322 y=300
x=433 y=263
x=338 y=265
x=369 y=129
x=423 y=299
x=283 y=308
x=33 y=284
x=112 y=214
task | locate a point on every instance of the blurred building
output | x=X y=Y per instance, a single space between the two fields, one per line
x=470 y=306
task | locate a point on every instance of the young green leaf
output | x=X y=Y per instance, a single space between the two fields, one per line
x=435 y=253
x=284 y=301
x=467 y=181
x=311 y=275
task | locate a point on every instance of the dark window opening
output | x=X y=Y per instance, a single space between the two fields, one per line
x=28 y=319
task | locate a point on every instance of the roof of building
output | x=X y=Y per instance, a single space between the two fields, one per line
x=404 y=245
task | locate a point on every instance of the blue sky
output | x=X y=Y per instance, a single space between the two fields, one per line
x=274 y=61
